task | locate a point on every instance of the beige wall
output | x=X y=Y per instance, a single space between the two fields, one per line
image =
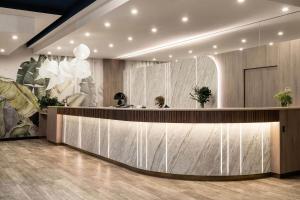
x=285 y=55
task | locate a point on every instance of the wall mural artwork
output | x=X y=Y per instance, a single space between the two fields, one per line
x=19 y=107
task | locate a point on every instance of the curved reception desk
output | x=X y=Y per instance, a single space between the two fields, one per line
x=210 y=144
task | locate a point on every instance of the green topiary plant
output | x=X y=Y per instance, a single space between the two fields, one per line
x=201 y=95
x=285 y=97
x=46 y=101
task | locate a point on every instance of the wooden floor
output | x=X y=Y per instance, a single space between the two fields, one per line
x=35 y=169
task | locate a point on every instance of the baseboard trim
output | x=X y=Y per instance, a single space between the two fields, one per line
x=175 y=176
x=22 y=138
x=286 y=175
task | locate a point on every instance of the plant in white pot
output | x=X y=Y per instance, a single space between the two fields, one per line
x=201 y=95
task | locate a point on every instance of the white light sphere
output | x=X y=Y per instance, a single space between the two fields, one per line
x=81 y=52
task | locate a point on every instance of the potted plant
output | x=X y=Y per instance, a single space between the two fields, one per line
x=201 y=95
x=46 y=101
x=284 y=97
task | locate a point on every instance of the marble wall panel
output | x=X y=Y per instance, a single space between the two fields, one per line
x=197 y=145
x=104 y=137
x=90 y=135
x=72 y=131
x=123 y=142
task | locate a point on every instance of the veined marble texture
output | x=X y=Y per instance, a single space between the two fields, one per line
x=143 y=81
x=187 y=149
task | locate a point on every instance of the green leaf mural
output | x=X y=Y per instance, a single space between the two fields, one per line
x=19 y=97
x=2 y=123
x=27 y=74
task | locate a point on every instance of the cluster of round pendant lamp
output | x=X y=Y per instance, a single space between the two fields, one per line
x=59 y=72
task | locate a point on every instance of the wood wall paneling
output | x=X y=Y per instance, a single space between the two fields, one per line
x=112 y=80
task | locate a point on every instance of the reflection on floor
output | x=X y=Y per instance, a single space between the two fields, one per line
x=35 y=169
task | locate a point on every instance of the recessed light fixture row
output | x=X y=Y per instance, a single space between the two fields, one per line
x=184 y=19
x=107 y=24
x=134 y=11
x=280 y=33
x=285 y=9
x=154 y=30
x=14 y=37
x=130 y=38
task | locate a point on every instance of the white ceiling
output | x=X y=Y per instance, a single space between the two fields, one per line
x=221 y=22
x=24 y=24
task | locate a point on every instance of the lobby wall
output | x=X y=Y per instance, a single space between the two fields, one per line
x=143 y=81
x=20 y=90
x=284 y=56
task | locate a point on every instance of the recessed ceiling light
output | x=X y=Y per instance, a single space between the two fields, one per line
x=184 y=19
x=244 y=40
x=14 y=37
x=58 y=48
x=72 y=42
x=190 y=51
x=154 y=30
x=176 y=60
x=95 y=50
x=240 y=1
x=134 y=11
x=2 y=50
x=285 y=9
x=215 y=46
x=111 y=45
x=130 y=38
x=170 y=56
x=271 y=43
x=49 y=52
x=107 y=24
x=195 y=57
x=241 y=49
x=154 y=59
x=216 y=53
x=280 y=33
x=87 y=34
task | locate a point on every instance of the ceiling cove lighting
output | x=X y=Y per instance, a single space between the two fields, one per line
x=87 y=34
x=14 y=37
x=280 y=33
x=107 y=24
x=134 y=11
x=180 y=42
x=2 y=50
x=285 y=9
x=154 y=30
x=184 y=19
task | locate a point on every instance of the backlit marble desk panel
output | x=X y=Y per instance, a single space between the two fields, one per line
x=210 y=144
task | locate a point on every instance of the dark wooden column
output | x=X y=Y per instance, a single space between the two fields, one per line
x=112 y=79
